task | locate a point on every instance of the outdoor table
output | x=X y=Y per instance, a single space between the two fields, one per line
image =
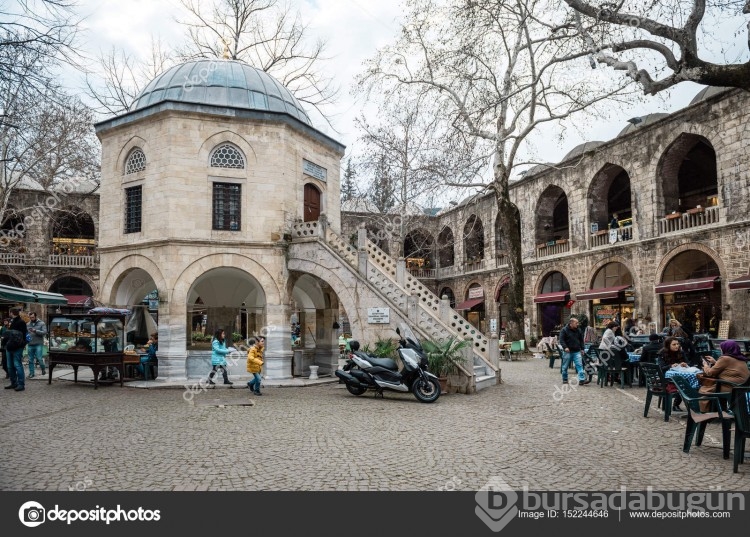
x=690 y=373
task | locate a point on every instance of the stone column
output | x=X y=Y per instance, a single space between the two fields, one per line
x=327 y=347
x=494 y=349
x=401 y=271
x=172 y=352
x=278 y=354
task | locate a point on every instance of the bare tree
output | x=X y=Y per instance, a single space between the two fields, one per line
x=46 y=136
x=266 y=35
x=46 y=26
x=498 y=70
x=406 y=148
x=121 y=77
x=664 y=35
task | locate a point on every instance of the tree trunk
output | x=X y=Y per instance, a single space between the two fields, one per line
x=510 y=223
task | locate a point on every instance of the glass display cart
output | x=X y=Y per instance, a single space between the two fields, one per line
x=95 y=341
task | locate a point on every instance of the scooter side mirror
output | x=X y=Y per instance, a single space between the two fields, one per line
x=398 y=331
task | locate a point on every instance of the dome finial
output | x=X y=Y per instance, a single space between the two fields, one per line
x=226 y=54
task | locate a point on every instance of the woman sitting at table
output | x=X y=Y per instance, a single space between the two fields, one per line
x=731 y=366
x=671 y=355
x=150 y=356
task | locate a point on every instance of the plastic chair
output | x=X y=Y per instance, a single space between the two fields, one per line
x=516 y=347
x=697 y=419
x=129 y=348
x=656 y=385
x=612 y=366
x=741 y=410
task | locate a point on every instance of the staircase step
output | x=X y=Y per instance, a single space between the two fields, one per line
x=486 y=381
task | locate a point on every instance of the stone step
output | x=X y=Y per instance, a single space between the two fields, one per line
x=486 y=381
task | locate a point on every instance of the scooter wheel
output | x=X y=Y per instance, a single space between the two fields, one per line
x=355 y=390
x=426 y=390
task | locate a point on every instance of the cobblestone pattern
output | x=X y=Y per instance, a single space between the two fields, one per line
x=71 y=437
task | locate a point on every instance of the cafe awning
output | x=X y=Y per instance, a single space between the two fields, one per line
x=740 y=283
x=80 y=301
x=17 y=294
x=468 y=304
x=559 y=296
x=602 y=292
x=696 y=284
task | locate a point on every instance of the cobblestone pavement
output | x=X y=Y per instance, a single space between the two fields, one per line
x=66 y=436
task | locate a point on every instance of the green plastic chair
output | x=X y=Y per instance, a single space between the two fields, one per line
x=697 y=420
x=516 y=347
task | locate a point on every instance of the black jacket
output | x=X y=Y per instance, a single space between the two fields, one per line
x=571 y=339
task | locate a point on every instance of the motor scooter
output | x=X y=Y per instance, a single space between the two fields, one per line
x=363 y=372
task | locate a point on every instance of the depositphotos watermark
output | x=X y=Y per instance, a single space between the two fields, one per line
x=33 y=514
x=498 y=504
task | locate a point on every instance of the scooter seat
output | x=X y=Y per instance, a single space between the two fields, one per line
x=386 y=363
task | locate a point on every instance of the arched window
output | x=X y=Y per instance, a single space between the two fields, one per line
x=227 y=156
x=135 y=162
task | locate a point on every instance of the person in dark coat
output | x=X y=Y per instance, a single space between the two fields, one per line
x=571 y=340
x=671 y=355
x=15 y=352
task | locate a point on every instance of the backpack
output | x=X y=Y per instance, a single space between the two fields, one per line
x=15 y=340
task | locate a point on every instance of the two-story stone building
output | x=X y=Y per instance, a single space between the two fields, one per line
x=680 y=246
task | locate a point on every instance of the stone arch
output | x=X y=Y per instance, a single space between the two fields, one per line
x=231 y=137
x=552 y=215
x=51 y=282
x=132 y=143
x=474 y=238
x=446 y=244
x=347 y=295
x=613 y=259
x=120 y=270
x=8 y=279
x=609 y=193
x=448 y=291
x=681 y=186
x=543 y=278
x=419 y=248
x=669 y=256
x=184 y=281
x=474 y=282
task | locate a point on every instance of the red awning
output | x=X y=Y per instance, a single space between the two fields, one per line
x=467 y=305
x=560 y=296
x=696 y=284
x=602 y=292
x=79 y=301
x=740 y=283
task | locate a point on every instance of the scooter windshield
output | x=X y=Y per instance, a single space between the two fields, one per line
x=408 y=336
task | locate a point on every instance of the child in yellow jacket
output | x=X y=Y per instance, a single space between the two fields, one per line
x=254 y=364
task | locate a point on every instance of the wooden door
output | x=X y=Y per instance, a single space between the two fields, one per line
x=311 y=207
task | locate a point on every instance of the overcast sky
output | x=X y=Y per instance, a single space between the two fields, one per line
x=354 y=30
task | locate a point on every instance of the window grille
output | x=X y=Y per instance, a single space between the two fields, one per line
x=133 y=209
x=136 y=162
x=227 y=206
x=227 y=156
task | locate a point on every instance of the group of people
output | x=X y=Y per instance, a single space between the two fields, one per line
x=15 y=335
x=731 y=366
x=220 y=350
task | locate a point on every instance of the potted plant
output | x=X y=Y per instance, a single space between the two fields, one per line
x=444 y=357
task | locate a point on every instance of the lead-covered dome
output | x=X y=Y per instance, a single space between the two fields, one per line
x=227 y=83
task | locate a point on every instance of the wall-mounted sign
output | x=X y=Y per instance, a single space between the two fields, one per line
x=378 y=315
x=493 y=325
x=476 y=292
x=313 y=170
x=594 y=227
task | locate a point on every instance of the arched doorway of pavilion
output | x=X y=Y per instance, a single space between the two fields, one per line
x=317 y=319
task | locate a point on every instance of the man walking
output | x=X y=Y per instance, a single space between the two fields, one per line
x=571 y=340
x=14 y=340
x=38 y=330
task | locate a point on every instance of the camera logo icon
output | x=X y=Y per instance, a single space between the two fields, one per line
x=496 y=503
x=32 y=514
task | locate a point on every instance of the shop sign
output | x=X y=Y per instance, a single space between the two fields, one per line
x=476 y=292
x=692 y=297
x=378 y=315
